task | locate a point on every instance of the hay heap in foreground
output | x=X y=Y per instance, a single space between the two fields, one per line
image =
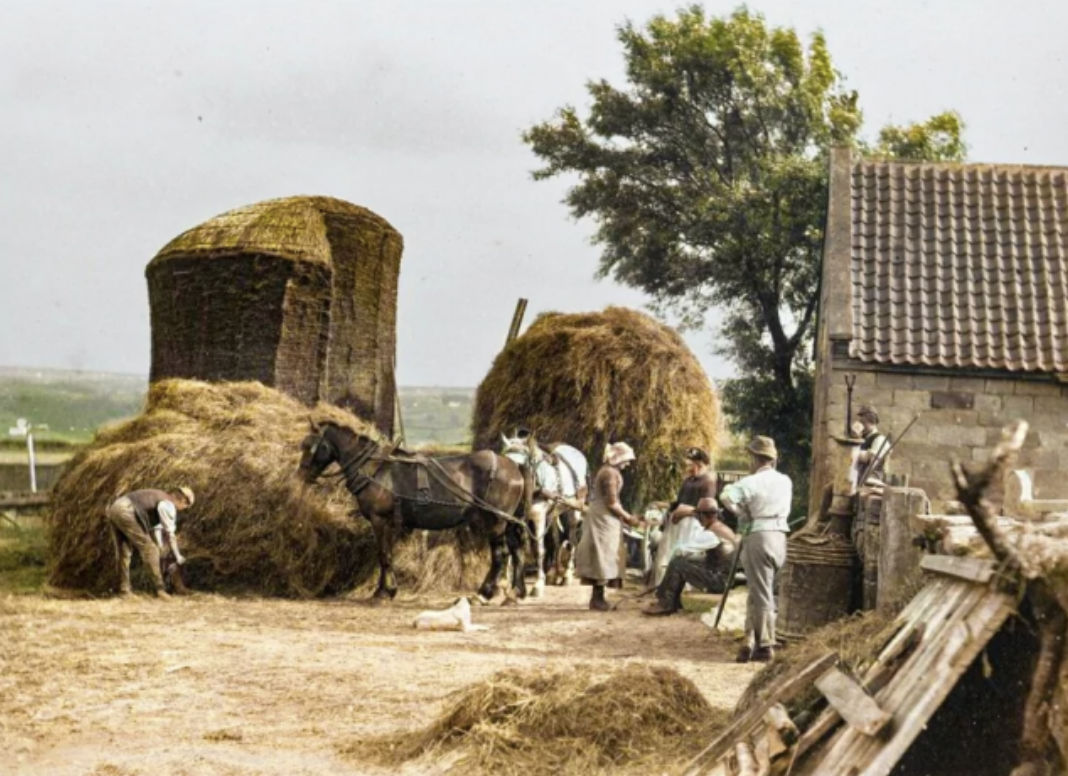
x=254 y=526
x=641 y=718
x=592 y=378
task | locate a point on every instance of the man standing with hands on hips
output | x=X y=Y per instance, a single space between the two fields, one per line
x=761 y=502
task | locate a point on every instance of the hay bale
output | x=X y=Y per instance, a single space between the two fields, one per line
x=298 y=293
x=592 y=378
x=254 y=526
x=571 y=721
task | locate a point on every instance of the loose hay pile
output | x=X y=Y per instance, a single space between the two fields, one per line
x=578 y=721
x=592 y=378
x=254 y=526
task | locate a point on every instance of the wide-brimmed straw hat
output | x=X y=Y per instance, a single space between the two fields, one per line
x=188 y=493
x=617 y=453
x=764 y=446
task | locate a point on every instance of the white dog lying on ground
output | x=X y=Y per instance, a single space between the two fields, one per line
x=456 y=618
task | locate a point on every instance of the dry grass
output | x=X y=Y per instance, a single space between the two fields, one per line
x=254 y=526
x=581 y=721
x=592 y=378
x=857 y=639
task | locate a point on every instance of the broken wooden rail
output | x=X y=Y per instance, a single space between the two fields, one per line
x=867 y=723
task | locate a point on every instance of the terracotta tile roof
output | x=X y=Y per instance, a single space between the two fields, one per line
x=960 y=265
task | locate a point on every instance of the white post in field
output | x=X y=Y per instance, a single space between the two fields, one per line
x=24 y=428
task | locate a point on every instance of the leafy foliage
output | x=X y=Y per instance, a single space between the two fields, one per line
x=939 y=139
x=706 y=177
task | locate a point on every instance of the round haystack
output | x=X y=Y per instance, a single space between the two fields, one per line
x=254 y=526
x=588 y=379
x=298 y=293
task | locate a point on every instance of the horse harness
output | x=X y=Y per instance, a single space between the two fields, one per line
x=426 y=467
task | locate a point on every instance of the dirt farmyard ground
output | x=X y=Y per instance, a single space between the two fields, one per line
x=213 y=685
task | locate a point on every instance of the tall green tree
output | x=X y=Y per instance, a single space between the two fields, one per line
x=706 y=176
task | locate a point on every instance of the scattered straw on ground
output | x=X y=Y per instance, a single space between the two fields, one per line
x=578 y=721
x=592 y=378
x=254 y=526
x=857 y=639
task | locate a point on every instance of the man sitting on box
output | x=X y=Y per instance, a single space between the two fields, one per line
x=703 y=561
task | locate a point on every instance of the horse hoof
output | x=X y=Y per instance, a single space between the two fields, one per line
x=538 y=591
x=482 y=600
x=510 y=601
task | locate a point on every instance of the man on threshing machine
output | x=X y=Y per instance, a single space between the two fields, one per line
x=146 y=520
x=761 y=503
x=870 y=462
x=703 y=560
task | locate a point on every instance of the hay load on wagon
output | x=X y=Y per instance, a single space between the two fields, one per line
x=298 y=293
x=588 y=379
x=255 y=527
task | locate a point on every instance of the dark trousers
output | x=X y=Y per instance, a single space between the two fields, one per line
x=696 y=571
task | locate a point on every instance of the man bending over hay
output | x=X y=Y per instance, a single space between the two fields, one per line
x=597 y=555
x=762 y=503
x=145 y=520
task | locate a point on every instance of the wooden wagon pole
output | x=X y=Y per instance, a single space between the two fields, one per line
x=517 y=320
x=1037 y=746
x=400 y=437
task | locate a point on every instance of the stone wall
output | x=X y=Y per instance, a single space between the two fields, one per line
x=962 y=417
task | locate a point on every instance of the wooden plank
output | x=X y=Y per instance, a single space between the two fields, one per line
x=14 y=500
x=776 y=746
x=956 y=633
x=971 y=569
x=854 y=705
x=926 y=693
x=746 y=760
x=779 y=720
x=744 y=724
x=762 y=753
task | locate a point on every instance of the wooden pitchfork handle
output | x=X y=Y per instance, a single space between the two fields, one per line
x=730 y=582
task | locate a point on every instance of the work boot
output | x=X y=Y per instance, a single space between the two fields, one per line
x=597 y=600
x=745 y=654
x=658 y=609
x=763 y=654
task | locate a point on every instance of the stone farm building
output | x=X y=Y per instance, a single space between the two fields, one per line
x=945 y=291
x=298 y=293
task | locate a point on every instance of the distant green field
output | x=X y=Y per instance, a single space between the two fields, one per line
x=72 y=404
x=75 y=404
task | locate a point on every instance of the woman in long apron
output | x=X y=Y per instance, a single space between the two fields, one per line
x=597 y=557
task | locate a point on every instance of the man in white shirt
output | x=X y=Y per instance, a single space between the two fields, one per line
x=761 y=502
x=147 y=520
x=703 y=560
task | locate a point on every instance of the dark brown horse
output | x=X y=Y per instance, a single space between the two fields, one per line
x=397 y=492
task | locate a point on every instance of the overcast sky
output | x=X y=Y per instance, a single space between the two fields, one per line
x=126 y=123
